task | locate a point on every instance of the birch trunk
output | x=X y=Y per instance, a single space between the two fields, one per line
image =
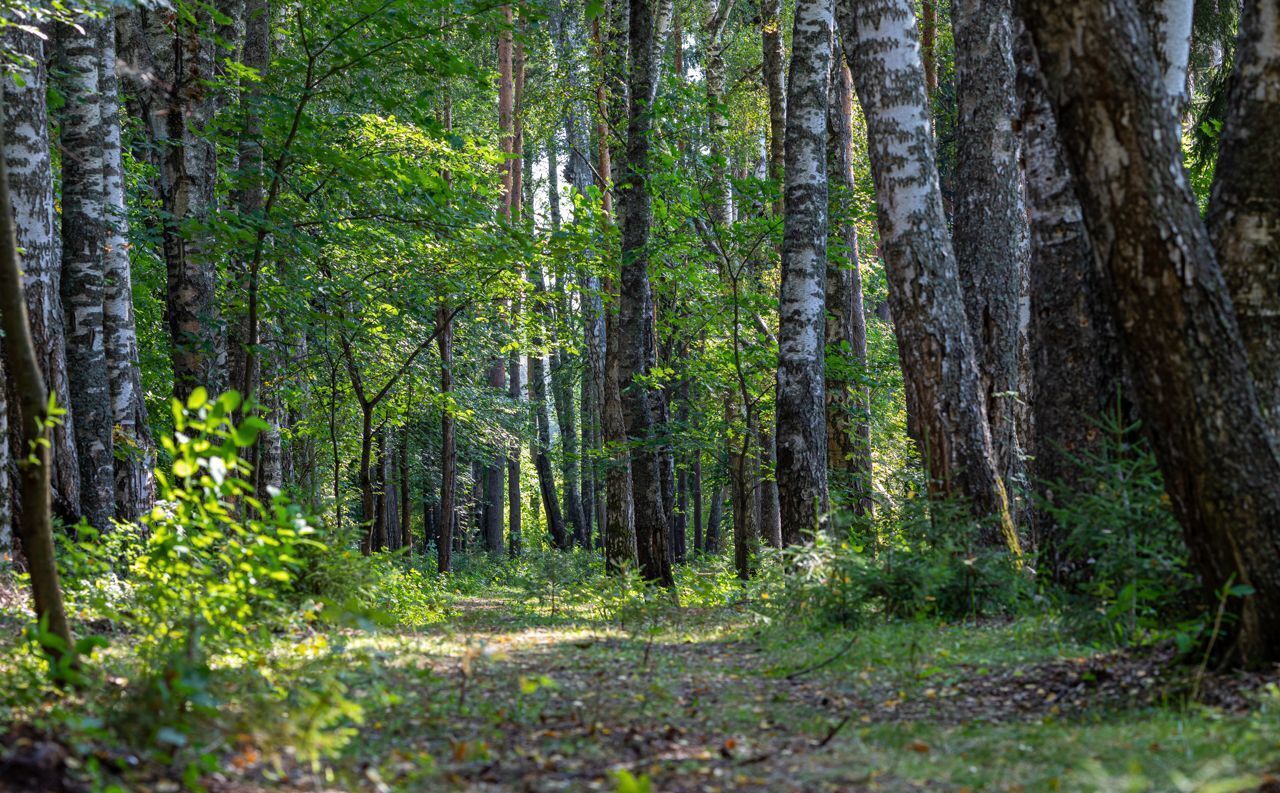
x=26 y=153
x=924 y=287
x=774 y=82
x=35 y=529
x=802 y=430
x=560 y=539
x=636 y=301
x=1179 y=334
x=134 y=452
x=1075 y=357
x=847 y=401
x=83 y=269
x=989 y=217
x=1244 y=211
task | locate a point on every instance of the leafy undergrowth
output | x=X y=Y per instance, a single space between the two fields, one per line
x=542 y=691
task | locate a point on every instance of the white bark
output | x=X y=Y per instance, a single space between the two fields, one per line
x=26 y=152
x=134 y=486
x=802 y=427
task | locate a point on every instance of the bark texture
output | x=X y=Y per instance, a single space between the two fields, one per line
x=989 y=229
x=134 y=450
x=1244 y=210
x=937 y=355
x=635 y=306
x=1171 y=303
x=83 y=269
x=36 y=526
x=448 y=449
x=802 y=429
x=26 y=154
x=1075 y=357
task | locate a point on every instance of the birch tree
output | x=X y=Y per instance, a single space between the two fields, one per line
x=937 y=355
x=1180 y=337
x=802 y=428
x=26 y=152
x=1244 y=210
x=134 y=451
x=635 y=304
x=83 y=268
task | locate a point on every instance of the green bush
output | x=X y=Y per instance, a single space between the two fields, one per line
x=1128 y=579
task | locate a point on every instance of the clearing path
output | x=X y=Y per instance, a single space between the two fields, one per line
x=522 y=698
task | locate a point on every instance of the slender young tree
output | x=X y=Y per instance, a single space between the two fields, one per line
x=560 y=538
x=937 y=355
x=1181 y=341
x=448 y=444
x=774 y=79
x=802 y=426
x=83 y=268
x=847 y=401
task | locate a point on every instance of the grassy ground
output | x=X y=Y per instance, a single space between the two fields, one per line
x=515 y=692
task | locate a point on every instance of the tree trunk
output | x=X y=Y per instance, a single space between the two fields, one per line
x=989 y=217
x=928 y=46
x=1075 y=358
x=26 y=150
x=406 y=508
x=176 y=105
x=1244 y=211
x=696 y=487
x=924 y=289
x=1169 y=23
x=1180 y=337
x=802 y=428
x=7 y=481
x=35 y=530
x=848 y=401
x=636 y=301
x=771 y=41
x=83 y=273
x=134 y=451
x=368 y=504
x=560 y=539
x=448 y=450
x=714 y=520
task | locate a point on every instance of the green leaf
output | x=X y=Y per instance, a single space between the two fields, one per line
x=198 y=399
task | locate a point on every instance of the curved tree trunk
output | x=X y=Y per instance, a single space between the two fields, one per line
x=1180 y=336
x=924 y=287
x=26 y=151
x=36 y=527
x=802 y=428
x=83 y=269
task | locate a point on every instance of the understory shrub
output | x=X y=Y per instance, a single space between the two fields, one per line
x=1126 y=577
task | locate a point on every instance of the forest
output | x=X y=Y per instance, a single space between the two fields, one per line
x=640 y=395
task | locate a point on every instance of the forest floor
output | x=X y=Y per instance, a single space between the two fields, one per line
x=516 y=692
x=515 y=695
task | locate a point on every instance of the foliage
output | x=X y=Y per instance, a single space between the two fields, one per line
x=1133 y=580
